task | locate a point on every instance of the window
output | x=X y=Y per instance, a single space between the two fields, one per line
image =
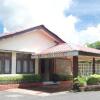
x=7 y=66
x=18 y=66
x=5 y=63
x=0 y=66
x=31 y=68
x=24 y=63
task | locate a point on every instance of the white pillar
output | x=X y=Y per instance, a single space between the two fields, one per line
x=13 y=71
x=36 y=65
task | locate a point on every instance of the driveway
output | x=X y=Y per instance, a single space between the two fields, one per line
x=21 y=94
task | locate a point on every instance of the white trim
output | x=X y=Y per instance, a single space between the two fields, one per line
x=54 y=55
x=13 y=65
x=36 y=66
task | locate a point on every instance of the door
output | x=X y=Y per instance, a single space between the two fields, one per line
x=46 y=69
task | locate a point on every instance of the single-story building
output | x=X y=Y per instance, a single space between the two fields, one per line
x=39 y=51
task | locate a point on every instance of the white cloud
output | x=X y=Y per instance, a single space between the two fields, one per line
x=18 y=14
x=25 y=13
x=91 y=34
x=65 y=28
x=21 y=14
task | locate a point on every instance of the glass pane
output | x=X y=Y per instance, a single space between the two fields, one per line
x=31 y=66
x=0 y=66
x=25 y=65
x=7 y=66
x=21 y=56
x=18 y=66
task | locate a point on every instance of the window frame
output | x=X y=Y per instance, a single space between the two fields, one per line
x=22 y=58
x=3 y=57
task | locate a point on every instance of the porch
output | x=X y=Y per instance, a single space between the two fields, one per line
x=70 y=65
x=68 y=60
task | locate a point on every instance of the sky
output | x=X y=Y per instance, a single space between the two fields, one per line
x=1 y=27
x=75 y=21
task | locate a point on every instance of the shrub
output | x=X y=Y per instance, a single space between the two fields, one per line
x=93 y=80
x=37 y=78
x=61 y=77
x=88 y=80
x=69 y=77
x=80 y=80
x=55 y=77
x=20 y=78
x=65 y=77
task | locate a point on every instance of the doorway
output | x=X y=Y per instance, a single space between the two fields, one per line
x=46 y=69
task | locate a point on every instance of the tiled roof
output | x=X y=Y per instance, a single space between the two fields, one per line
x=65 y=47
x=4 y=36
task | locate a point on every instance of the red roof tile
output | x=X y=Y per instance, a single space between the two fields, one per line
x=65 y=47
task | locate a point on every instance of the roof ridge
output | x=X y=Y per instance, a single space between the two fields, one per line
x=57 y=39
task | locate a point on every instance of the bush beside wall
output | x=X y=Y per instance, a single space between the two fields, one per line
x=61 y=77
x=93 y=80
x=87 y=83
x=19 y=78
x=81 y=80
x=89 y=80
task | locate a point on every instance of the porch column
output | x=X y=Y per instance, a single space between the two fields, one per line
x=93 y=66
x=36 y=65
x=75 y=66
x=13 y=65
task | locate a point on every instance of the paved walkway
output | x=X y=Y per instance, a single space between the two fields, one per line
x=22 y=94
x=30 y=92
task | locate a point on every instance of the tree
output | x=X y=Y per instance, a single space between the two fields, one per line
x=95 y=45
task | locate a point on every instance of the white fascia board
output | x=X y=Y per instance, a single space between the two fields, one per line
x=55 y=55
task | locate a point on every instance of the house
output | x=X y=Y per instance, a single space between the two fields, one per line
x=39 y=51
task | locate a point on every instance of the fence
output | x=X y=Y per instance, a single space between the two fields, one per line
x=85 y=69
x=97 y=68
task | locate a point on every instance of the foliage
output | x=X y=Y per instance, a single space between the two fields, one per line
x=61 y=77
x=93 y=79
x=20 y=78
x=55 y=77
x=89 y=80
x=81 y=80
x=95 y=45
x=65 y=77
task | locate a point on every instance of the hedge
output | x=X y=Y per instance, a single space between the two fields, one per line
x=61 y=77
x=89 y=80
x=93 y=79
x=20 y=78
